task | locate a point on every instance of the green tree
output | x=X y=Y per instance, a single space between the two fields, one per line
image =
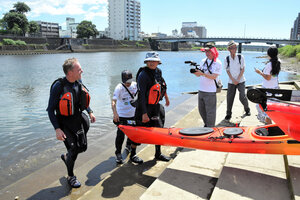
x=16 y=30
x=21 y=7
x=86 y=29
x=15 y=20
x=33 y=27
x=12 y=18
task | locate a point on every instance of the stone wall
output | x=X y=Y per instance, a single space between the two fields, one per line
x=54 y=43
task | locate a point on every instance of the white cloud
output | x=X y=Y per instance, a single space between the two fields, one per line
x=88 y=8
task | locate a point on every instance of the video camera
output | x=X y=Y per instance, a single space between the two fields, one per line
x=193 y=70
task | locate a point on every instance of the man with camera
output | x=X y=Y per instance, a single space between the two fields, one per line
x=235 y=67
x=124 y=114
x=209 y=70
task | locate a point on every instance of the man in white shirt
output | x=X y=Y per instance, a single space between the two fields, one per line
x=235 y=67
x=210 y=69
x=124 y=114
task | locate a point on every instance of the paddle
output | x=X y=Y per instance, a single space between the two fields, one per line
x=260 y=95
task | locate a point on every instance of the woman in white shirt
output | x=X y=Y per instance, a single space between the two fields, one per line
x=270 y=78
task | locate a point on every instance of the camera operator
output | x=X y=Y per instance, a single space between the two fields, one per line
x=209 y=70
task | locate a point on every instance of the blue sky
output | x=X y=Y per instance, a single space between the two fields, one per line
x=222 y=18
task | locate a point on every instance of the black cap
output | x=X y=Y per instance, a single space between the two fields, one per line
x=208 y=46
x=126 y=76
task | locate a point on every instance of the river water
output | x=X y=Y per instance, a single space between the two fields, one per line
x=27 y=138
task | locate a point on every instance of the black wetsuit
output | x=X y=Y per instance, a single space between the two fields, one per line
x=145 y=81
x=75 y=127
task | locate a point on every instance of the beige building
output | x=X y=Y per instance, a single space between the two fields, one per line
x=48 y=29
x=191 y=29
x=124 y=19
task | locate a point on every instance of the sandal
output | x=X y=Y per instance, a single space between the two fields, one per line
x=73 y=182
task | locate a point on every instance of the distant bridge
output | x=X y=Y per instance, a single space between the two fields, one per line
x=154 y=42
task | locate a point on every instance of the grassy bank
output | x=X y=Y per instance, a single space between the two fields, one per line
x=290 y=51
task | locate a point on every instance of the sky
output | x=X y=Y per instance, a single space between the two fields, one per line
x=222 y=18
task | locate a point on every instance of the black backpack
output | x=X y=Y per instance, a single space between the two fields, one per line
x=228 y=62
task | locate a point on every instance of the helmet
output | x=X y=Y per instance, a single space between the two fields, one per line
x=126 y=76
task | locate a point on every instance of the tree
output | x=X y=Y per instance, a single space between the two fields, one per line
x=33 y=27
x=86 y=29
x=12 y=18
x=21 y=7
x=16 y=30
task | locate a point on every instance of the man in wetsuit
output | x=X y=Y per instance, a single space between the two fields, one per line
x=68 y=98
x=149 y=81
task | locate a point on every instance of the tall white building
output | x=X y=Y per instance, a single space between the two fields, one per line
x=71 y=27
x=124 y=19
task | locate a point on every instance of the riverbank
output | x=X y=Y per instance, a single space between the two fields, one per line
x=291 y=65
x=73 y=51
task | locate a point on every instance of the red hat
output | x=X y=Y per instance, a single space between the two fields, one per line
x=210 y=47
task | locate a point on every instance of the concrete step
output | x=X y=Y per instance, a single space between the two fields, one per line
x=192 y=175
x=252 y=176
x=130 y=181
x=197 y=174
x=293 y=171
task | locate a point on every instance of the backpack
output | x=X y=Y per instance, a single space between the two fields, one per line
x=228 y=62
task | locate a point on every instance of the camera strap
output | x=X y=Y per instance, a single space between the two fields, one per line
x=208 y=66
x=128 y=91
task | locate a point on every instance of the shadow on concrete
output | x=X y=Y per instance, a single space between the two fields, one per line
x=94 y=176
x=227 y=123
x=295 y=177
x=198 y=184
x=53 y=193
x=127 y=175
x=177 y=150
x=253 y=185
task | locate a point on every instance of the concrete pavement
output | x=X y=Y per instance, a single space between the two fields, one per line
x=191 y=174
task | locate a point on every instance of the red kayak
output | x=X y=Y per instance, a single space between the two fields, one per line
x=264 y=140
x=280 y=138
x=286 y=116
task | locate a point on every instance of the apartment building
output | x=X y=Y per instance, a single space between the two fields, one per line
x=48 y=29
x=124 y=19
x=295 y=31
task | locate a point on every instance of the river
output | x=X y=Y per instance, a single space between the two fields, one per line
x=27 y=139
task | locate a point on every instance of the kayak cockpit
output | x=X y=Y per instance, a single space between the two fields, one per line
x=269 y=131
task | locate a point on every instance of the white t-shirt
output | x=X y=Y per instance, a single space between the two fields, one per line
x=235 y=67
x=273 y=82
x=124 y=108
x=206 y=84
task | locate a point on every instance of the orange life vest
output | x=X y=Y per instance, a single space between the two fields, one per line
x=85 y=98
x=66 y=105
x=154 y=94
